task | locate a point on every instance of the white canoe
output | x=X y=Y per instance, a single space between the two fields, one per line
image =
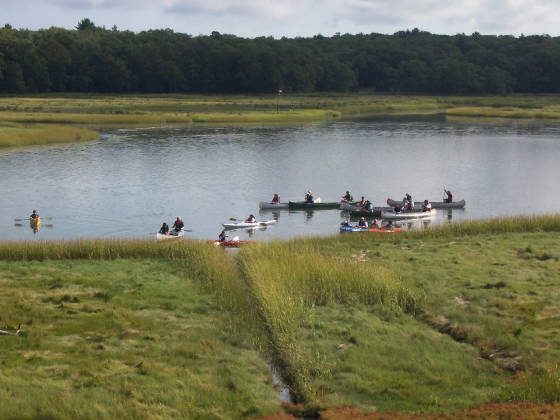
x=408 y=214
x=266 y=205
x=171 y=235
x=244 y=225
x=435 y=204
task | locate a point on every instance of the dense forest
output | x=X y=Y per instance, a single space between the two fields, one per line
x=95 y=59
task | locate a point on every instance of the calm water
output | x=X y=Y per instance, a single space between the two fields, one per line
x=130 y=181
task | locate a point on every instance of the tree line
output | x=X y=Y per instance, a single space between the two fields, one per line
x=94 y=59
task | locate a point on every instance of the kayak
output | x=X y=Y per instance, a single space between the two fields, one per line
x=408 y=214
x=239 y=225
x=385 y=230
x=35 y=224
x=372 y=230
x=353 y=229
x=171 y=235
x=435 y=204
x=263 y=205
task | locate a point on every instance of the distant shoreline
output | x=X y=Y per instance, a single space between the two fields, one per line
x=62 y=118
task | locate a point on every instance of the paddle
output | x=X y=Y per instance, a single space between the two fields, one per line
x=28 y=218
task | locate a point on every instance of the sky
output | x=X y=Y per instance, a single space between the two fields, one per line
x=291 y=18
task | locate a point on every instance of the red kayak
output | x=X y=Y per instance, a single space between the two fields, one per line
x=383 y=230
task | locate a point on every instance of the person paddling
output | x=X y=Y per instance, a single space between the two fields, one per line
x=427 y=206
x=362 y=223
x=409 y=202
x=34 y=215
x=347 y=197
x=363 y=203
x=164 y=229
x=250 y=219
x=178 y=225
x=222 y=236
x=389 y=225
x=275 y=199
x=449 y=198
x=309 y=197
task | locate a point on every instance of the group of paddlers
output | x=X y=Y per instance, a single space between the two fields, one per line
x=362 y=223
x=177 y=227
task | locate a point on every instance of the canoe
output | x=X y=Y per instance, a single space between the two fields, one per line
x=408 y=214
x=435 y=204
x=171 y=235
x=233 y=243
x=245 y=225
x=344 y=205
x=263 y=205
x=317 y=205
x=370 y=229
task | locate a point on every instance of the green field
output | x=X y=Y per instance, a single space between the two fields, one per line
x=457 y=320
x=97 y=111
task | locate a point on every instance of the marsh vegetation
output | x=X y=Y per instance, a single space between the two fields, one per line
x=427 y=322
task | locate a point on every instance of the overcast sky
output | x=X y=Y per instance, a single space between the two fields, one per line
x=291 y=18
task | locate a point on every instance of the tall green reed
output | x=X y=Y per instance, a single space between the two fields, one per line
x=284 y=282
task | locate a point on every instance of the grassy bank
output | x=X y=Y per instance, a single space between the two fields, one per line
x=18 y=135
x=460 y=319
x=134 y=338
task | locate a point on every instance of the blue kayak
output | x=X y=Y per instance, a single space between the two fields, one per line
x=353 y=229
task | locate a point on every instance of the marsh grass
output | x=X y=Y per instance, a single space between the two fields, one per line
x=124 y=338
x=95 y=110
x=548 y=112
x=428 y=321
x=541 y=385
x=18 y=135
x=96 y=120
x=284 y=286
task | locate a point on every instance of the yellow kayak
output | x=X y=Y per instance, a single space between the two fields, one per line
x=35 y=224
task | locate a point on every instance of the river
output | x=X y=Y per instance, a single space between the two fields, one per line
x=131 y=180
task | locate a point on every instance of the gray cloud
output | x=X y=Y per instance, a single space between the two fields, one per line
x=293 y=17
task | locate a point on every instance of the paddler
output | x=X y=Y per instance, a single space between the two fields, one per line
x=362 y=222
x=178 y=225
x=347 y=197
x=164 y=229
x=222 y=236
x=427 y=206
x=275 y=199
x=250 y=219
x=34 y=215
x=449 y=198
x=410 y=204
x=309 y=197
x=389 y=225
